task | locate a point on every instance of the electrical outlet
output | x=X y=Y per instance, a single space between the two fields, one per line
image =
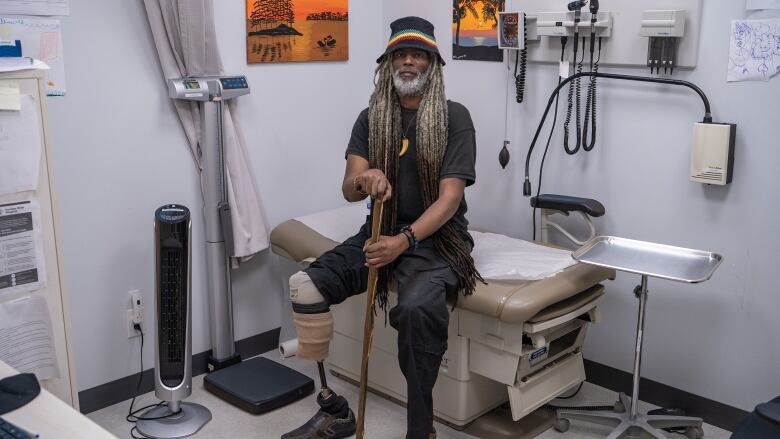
x=136 y=300
x=131 y=331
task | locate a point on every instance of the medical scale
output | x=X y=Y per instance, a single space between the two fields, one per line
x=256 y=385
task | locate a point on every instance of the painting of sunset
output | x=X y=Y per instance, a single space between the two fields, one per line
x=296 y=30
x=474 y=35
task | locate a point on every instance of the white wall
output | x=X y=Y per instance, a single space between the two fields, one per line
x=717 y=339
x=119 y=153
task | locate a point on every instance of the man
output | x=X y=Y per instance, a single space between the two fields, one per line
x=415 y=151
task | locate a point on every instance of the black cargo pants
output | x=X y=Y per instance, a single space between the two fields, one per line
x=424 y=281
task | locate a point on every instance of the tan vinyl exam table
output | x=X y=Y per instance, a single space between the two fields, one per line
x=515 y=340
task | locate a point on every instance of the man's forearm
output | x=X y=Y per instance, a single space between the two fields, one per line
x=435 y=216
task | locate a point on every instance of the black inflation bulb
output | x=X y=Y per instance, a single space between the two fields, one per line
x=503 y=156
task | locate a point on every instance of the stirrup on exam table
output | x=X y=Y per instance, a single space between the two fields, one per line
x=552 y=205
x=565 y=203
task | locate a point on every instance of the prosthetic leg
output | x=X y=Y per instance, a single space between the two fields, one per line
x=314 y=322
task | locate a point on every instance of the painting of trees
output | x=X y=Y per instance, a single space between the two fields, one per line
x=474 y=30
x=479 y=9
x=296 y=30
x=266 y=12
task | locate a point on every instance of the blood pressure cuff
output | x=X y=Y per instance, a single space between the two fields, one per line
x=17 y=390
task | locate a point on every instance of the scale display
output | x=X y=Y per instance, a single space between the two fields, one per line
x=233 y=83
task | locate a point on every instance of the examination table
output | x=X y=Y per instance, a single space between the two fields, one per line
x=515 y=340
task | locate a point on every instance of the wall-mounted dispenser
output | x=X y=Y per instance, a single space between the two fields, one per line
x=712 y=153
x=664 y=30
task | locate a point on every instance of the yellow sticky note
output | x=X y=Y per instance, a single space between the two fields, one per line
x=9 y=97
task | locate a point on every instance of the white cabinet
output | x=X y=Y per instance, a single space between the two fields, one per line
x=32 y=83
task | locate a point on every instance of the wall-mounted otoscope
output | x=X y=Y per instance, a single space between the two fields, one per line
x=708 y=135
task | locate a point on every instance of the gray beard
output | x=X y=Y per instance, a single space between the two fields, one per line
x=411 y=87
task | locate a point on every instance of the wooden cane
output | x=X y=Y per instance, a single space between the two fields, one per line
x=368 y=328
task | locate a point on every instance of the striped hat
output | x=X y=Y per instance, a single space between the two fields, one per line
x=412 y=32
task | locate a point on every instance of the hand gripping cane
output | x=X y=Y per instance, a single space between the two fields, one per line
x=368 y=329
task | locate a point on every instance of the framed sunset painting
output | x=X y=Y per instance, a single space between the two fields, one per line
x=296 y=30
x=474 y=30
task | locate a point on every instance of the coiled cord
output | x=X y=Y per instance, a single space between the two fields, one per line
x=590 y=104
x=523 y=60
x=570 y=104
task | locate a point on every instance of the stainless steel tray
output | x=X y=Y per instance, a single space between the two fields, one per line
x=647 y=258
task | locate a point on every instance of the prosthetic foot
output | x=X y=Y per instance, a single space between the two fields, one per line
x=314 y=323
x=333 y=420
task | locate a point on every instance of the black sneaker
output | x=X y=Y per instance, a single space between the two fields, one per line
x=325 y=426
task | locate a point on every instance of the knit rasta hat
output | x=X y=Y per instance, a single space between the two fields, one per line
x=414 y=33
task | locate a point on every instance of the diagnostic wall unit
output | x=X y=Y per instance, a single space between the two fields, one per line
x=623 y=43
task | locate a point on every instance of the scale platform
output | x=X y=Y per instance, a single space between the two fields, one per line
x=649 y=259
x=258 y=385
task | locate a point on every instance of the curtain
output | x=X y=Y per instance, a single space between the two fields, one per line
x=183 y=32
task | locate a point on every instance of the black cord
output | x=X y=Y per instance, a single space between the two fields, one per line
x=578 y=100
x=564 y=41
x=553 y=96
x=132 y=414
x=590 y=104
x=570 y=105
x=523 y=60
x=573 y=394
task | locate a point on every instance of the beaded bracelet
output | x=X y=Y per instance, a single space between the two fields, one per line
x=413 y=242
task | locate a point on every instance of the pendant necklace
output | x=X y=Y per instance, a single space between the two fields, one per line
x=405 y=140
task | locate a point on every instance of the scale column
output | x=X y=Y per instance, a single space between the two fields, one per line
x=217 y=262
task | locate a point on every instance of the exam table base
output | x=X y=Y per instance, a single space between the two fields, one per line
x=188 y=422
x=642 y=426
x=496 y=424
x=480 y=371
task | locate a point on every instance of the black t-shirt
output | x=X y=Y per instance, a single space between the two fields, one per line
x=459 y=160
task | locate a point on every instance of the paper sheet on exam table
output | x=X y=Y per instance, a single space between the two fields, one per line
x=500 y=257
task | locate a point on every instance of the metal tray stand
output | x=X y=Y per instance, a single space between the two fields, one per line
x=648 y=260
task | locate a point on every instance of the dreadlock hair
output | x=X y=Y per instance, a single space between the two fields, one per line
x=384 y=141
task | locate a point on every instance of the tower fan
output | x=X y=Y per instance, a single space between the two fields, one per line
x=173 y=341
